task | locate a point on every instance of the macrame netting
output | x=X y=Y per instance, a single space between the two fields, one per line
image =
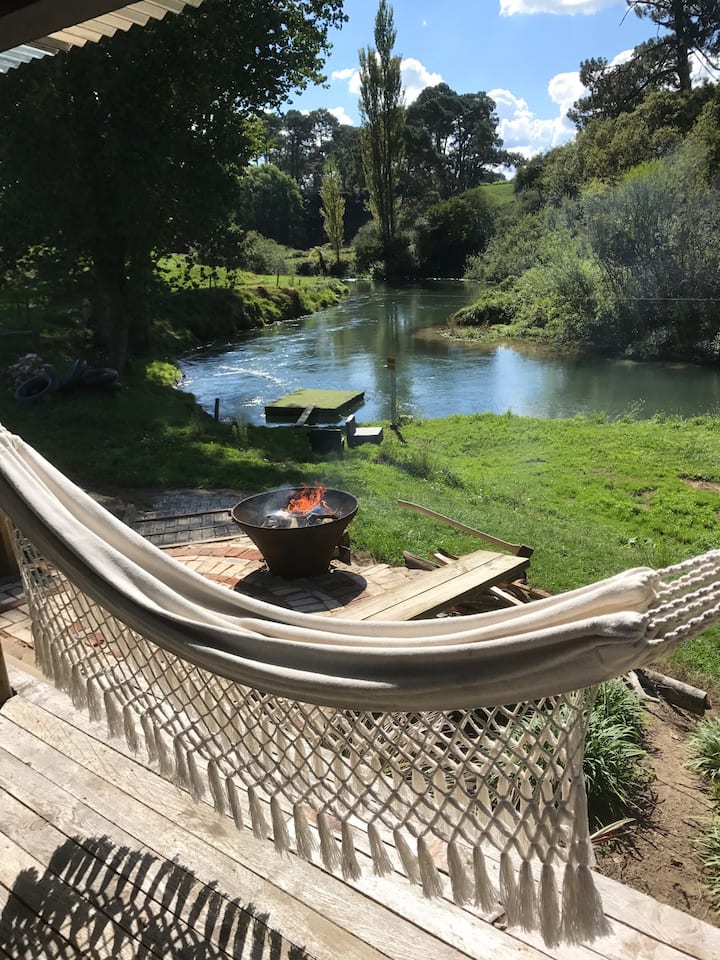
x=479 y=800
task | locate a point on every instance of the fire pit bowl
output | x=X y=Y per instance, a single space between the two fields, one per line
x=297 y=529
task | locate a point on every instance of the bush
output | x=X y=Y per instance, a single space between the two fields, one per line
x=494 y=307
x=704 y=744
x=453 y=230
x=615 y=776
x=368 y=249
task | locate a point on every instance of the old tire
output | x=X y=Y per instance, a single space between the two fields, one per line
x=39 y=387
x=98 y=378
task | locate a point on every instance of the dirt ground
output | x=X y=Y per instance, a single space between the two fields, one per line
x=657 y=854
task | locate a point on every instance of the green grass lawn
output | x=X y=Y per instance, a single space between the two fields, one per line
x=593 y=497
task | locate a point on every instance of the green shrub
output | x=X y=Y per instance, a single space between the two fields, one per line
x=615 y=776
x=494 y=307
x=704 y=744
x=709 y=849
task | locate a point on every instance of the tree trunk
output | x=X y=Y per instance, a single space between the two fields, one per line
x=111 y=312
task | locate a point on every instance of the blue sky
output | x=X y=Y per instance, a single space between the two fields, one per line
x=524 y=53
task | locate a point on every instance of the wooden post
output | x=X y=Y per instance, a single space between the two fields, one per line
x=393 y=392
x=8 y=563
x=6 y=691
x=216 y=412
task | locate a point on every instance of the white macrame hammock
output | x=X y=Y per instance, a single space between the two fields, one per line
x=448 y=751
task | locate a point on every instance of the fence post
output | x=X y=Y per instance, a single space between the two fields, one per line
x=6 y=691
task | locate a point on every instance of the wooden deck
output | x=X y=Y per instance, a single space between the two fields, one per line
x=101 y=858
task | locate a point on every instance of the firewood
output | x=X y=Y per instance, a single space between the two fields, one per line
x=675 y=692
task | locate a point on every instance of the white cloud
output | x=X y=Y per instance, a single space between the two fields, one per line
x=524 y=132
x=415 y=77
x=511 y=8
x=340 y=114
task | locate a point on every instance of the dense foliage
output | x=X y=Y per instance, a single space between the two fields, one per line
x=612 y=243
x=132 y=147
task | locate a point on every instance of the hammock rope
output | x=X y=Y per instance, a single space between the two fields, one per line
x=448 y=751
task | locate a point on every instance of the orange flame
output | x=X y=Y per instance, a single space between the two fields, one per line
x=308 y=499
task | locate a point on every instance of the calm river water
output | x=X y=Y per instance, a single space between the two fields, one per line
x=347 y=347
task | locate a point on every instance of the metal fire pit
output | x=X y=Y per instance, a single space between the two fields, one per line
x=295 y=544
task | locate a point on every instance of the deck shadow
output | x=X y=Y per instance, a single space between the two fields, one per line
x=99 y=900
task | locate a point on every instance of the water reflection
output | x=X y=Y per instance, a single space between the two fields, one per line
x=347 y=346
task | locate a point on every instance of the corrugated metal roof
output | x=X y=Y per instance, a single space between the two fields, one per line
x=90 y=31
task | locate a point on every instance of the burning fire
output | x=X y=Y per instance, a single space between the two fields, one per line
x=309 y=500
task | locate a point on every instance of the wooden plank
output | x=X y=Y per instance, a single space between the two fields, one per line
x=166 y=913
x=437 y=590
x=415 y=928
x=462 y=928
x=207 y=842
x=303 y=418
x=642 y=926
x=58 y=906
x=24 y=936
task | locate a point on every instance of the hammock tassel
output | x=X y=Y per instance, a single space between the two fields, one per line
x=257 y=817
x=149 y=733
x=550 y=925
x=130 y=729
x=281 y=837
x=78 y=689
x=460 y=880
x=485 y=895
x=350 y=865
x=527 y=897
x=429 y=874
x=217 y=791
x=303 y=834
x=197 y=784
x=408 y=858
x=182 y=777
x=234 y=801
x=94 y=700
x=165 y=757
x=583 y=914
x=509 y=890
x=382 y=863
x=113 y=715
x=332 y=858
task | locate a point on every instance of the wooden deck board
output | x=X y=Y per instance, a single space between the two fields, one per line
x=438 y=589
x=199 y=836
x=378 y=916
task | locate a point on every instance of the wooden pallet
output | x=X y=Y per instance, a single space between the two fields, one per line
x=439 y=589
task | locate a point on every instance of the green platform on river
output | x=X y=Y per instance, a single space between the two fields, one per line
x=323 y=405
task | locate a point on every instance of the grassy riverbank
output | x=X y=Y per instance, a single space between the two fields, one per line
x=592 y=496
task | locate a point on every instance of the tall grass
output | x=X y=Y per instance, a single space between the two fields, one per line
x=616 y=778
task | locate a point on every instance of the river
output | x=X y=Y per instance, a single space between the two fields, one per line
x=347 y=347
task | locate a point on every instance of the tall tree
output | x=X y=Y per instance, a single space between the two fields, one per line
x=451 y=140
x=131 y=148
x=688 y=29
x=692 y=27
x=269 y=202
x=333 y=208
x=383 y=117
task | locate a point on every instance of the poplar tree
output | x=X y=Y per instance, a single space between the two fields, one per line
x=333 y=207
x=383 y=117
